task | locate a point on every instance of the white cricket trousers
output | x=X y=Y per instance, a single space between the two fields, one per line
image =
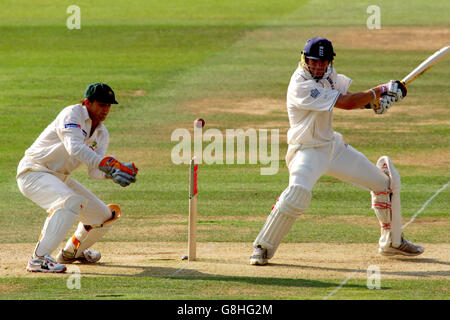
x=339 y=160
x=47 y=191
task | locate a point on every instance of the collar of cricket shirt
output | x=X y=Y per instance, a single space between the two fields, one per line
x=99 y=128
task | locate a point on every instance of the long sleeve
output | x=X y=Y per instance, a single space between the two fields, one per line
x=72 y=135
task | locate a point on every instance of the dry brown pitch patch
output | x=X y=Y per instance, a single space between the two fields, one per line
x=252 y=106
x=6 y=288
x=136 y=93
x=392 y=38
x=292 y=261
x=438 y=158
x=401 y=38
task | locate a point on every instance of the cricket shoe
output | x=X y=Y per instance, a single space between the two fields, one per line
x=88 y=256
x=406 y=248
x=45 y=264
x=259 y=256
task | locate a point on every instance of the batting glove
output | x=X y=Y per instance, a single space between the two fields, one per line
x=394 y=88
x=382 y=105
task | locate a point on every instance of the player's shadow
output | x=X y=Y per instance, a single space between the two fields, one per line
x=192 y=274
x=421 y=260
x=419 y=273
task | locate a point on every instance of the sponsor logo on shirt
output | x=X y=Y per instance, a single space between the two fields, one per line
x=72 y=125
x=315 y=93
x=330 y=82
x=75 y=125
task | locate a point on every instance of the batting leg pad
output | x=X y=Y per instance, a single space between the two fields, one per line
x=87 y=235
x=59 y=221
x=387 y=207
x=291 y=204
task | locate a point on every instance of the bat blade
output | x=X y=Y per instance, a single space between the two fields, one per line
x=426 y=65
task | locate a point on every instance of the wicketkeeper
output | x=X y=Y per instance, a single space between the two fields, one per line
x=316 y=149
x=76 y=136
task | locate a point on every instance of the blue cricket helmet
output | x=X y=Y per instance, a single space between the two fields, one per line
x=319 y=48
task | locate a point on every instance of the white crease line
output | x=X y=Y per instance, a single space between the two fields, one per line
x=186 y=264
x=412 y=219
x=342 y=284
x=426 y=204
x=179 y=270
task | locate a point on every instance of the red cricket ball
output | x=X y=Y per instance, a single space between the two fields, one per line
x=199 y=123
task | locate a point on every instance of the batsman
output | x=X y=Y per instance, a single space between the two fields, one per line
x=77 y=136
x=315 y=149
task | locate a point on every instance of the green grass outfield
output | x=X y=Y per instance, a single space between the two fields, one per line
x=217 y=287
x=171 y=62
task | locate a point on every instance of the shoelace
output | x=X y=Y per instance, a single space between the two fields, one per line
x=49 y=259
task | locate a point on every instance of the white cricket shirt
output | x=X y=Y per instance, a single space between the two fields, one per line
x=65 y=144
x=310 y=106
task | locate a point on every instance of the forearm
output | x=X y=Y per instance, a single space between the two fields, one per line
x=357 y=100
x=76 y=149
x=96 y=174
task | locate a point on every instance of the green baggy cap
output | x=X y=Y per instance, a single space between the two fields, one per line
x=100 y=92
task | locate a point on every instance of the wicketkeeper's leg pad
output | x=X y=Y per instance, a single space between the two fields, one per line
x=58 y=223
x=387 y=207
x=290 y=205
x=87 y=235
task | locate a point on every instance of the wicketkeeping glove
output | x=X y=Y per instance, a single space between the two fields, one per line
x=122 y=178
x=121 y=173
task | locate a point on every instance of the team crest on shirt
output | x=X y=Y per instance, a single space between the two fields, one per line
x=314 y=93
x=93 y=146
